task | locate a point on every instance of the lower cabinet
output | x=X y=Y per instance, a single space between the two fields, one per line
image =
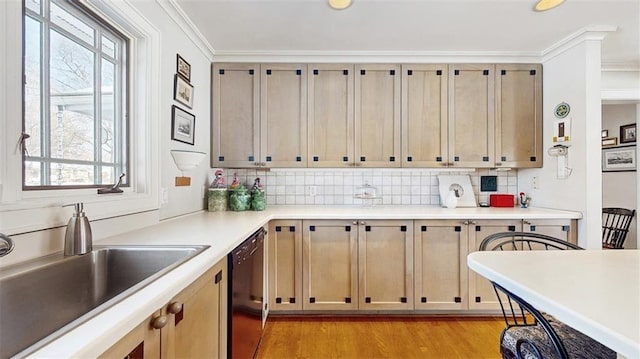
x=192 y=324
x=336 y=265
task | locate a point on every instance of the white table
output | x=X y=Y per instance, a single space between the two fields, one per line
x=595 y=292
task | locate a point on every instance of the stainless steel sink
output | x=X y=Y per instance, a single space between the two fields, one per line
x=43 y=299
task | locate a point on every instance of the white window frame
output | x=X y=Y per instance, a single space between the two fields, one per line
x=25 y=211
x=120 y=155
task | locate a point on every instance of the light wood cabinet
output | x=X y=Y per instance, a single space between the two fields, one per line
x=471 y=115
x=377 y=115
x=565 y=229
x=424 y=115
x=330 y=265
x=235 y=114
x=518 y=128
x=481 y=293
x=285 y=265
x=385 y=252
x=192 y=325
x=283 y=115
x=440 y=258
x=330 y=115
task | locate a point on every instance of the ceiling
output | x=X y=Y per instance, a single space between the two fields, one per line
x=412 y=26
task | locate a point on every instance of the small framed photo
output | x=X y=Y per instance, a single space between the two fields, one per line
x=619 y=159
x=183 y=91
x=604 y=134
x=182 y=125
x=608 y=142
x=628 y=133
x=183 y=68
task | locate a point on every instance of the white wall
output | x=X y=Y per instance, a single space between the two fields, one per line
x=181 y=200
x=572 y=76
x=619 y=189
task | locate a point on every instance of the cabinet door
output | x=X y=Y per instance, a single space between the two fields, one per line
x=235 y=131
x=386 y=264
x=564 y=229
x=377 y=115
x=481 y=292
x=285 y=265
x=283 y=115
x=440 y=257
x=330 y=265
x=330 y=115
x=142 y=342
x=424 y=115
x=471 y=115
x=197 y=318
x=518 y=115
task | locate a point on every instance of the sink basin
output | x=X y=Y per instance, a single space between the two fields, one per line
x=43 y=299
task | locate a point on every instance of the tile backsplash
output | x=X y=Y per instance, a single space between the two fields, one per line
x=293 y=186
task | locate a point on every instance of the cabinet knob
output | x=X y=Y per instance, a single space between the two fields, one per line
x=174 y=307
x=465 y=222
x=474 y=222
x=159 y=322
x=363 y=222
x=498 y=163
x=354 y=222
x=526 y=222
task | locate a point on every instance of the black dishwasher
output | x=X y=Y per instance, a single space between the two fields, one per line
x=246 y=264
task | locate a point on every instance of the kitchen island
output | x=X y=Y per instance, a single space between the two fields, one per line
x=223 y=231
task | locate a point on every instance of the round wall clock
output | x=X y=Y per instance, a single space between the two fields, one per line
x=562 y=110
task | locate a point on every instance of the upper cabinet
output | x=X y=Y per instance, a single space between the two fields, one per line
x=518 y=126
x=235 y=114
x=259 y=115
x=376 y=115
x=330 y=116
x=471 y=115
x=283 y=115
x=424 y=115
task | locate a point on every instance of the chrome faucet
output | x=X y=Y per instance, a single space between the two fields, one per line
x=77 y=239
x=6 y=245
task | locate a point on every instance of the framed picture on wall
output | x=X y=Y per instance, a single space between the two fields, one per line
x=183 y=68
x=618 y=159
x=628 y=133
x=183 y=91
x=182 y=125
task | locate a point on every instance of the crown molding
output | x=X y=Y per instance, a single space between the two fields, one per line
x=178 y=15
x=591 y=32
x=378 y=56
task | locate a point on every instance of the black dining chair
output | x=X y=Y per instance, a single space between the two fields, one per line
x=615 y=226
x=530 y=333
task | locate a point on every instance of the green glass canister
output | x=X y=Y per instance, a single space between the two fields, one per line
x=239 y=199
x=258 y=200
x=218 y=199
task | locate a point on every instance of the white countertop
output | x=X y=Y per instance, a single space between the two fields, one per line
x=223 y=231
x=596 y=292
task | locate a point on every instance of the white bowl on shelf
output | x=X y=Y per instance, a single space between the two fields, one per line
x=187 y=160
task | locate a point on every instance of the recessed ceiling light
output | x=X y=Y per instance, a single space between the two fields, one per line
x=543 y=5
x=339 y=4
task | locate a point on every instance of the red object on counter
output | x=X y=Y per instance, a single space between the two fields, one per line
x=501 y=200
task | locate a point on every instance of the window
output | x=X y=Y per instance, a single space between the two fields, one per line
x=75 y=82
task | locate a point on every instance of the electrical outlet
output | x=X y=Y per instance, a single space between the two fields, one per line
x=164 y=196
x=535 y=182
x=311 y=190
x=203 y=191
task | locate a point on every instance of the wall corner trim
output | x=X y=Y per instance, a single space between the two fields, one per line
x=175 y=12
x=591 y=32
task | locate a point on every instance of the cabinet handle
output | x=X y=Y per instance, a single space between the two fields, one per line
x=498 y=163
x=474 y=222
x=465 y=222
x=159 y=322
x=174 y=307
x=354 y=222
x=363 y=223
x=526 y=222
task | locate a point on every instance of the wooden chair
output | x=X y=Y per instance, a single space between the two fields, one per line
x=615 y=226
x=530 y=333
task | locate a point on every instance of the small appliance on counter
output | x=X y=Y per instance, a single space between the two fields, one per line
x=501 y=200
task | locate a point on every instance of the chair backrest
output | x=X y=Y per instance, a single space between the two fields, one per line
x=515 y=310
x=518 y=241
x=615 y=226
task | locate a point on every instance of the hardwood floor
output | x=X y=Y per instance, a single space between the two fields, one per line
x=381 y=337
